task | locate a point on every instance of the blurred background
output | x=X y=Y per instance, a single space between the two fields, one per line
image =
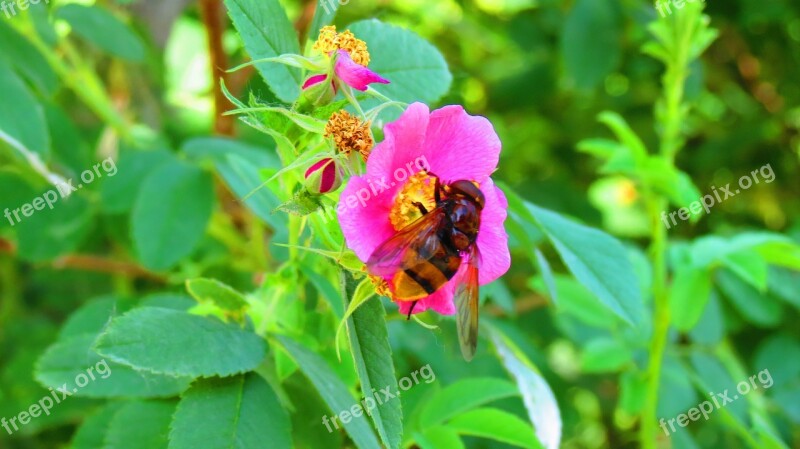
x=541 y=71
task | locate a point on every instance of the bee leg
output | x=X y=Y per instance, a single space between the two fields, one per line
x=436 y=191
x=421 y=207
x=411 y=310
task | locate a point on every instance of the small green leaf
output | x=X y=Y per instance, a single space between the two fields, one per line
x=496 y=425
x=180 y=344
x=463 y=396
x=750 y=266
x=302 y=203
x=439 y=437
x=240 y=412
x=118 y=193
x=103 y=30
x=215 y=292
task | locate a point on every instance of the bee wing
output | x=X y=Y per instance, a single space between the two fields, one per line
x=466 y=299
x=393 y=254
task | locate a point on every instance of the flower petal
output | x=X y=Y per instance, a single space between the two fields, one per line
x=461 y=146
x=316 y=79
x=355 y=75
x=495 y=259
x=403 y=143
x=364 y=217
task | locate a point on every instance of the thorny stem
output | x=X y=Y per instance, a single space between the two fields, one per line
x=214 y=19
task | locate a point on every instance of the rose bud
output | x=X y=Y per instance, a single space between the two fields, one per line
x=324 y=177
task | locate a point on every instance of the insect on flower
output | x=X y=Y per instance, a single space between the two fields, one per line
x=427 y=253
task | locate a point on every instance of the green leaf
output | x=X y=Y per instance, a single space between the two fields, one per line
x=103 y=30
x=537 y=396
x=16 y=192
x=597 y=260
x=416 y=69
x=50 y=233
x=688 y=296
x=439 y=437
x=750 y=266
x=22 y=121
x=267 y=33
x=301 y=204
x=324 y=15
x=757 y=308
x=171 y=213
x=118 y=193
x=141 y=424
x=591 y=42
x=240 y=412
x=463 y=396
x=605 y=355
x=333 y=391
x=372 y=354
x=93 y=315
x=215 y=292
x=496 y=425
x=92 y=433
x=73 y=358
x=177 y=343
x=26 y=60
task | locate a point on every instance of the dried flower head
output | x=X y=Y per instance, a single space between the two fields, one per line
x=350 y=134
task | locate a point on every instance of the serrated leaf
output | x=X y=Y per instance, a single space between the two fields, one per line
x=73 y=358
x=240 y=412
x=92 y=432
x=416 y=69
x=301 y=204
x=180 y=344
x=267 y=33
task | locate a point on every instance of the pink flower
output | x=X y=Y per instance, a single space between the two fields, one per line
x=348 y=71
x=456 y=146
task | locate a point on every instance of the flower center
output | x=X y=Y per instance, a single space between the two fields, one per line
x=350 y=134
x=420 y=189
x=329 y=41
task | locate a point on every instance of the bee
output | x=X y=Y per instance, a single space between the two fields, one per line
x=423 y=256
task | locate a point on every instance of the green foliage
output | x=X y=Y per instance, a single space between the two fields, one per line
x=209 y=301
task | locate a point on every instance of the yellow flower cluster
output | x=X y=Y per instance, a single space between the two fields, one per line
x=329 y=40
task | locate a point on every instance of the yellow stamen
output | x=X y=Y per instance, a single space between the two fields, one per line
x=329 y=41
x=326 y=42
x=419 y=189
x=350 y=134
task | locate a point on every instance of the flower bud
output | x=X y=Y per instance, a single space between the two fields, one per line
x=318 y=91
x=324 y=177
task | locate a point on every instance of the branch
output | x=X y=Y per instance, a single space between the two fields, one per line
x=212 y=12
